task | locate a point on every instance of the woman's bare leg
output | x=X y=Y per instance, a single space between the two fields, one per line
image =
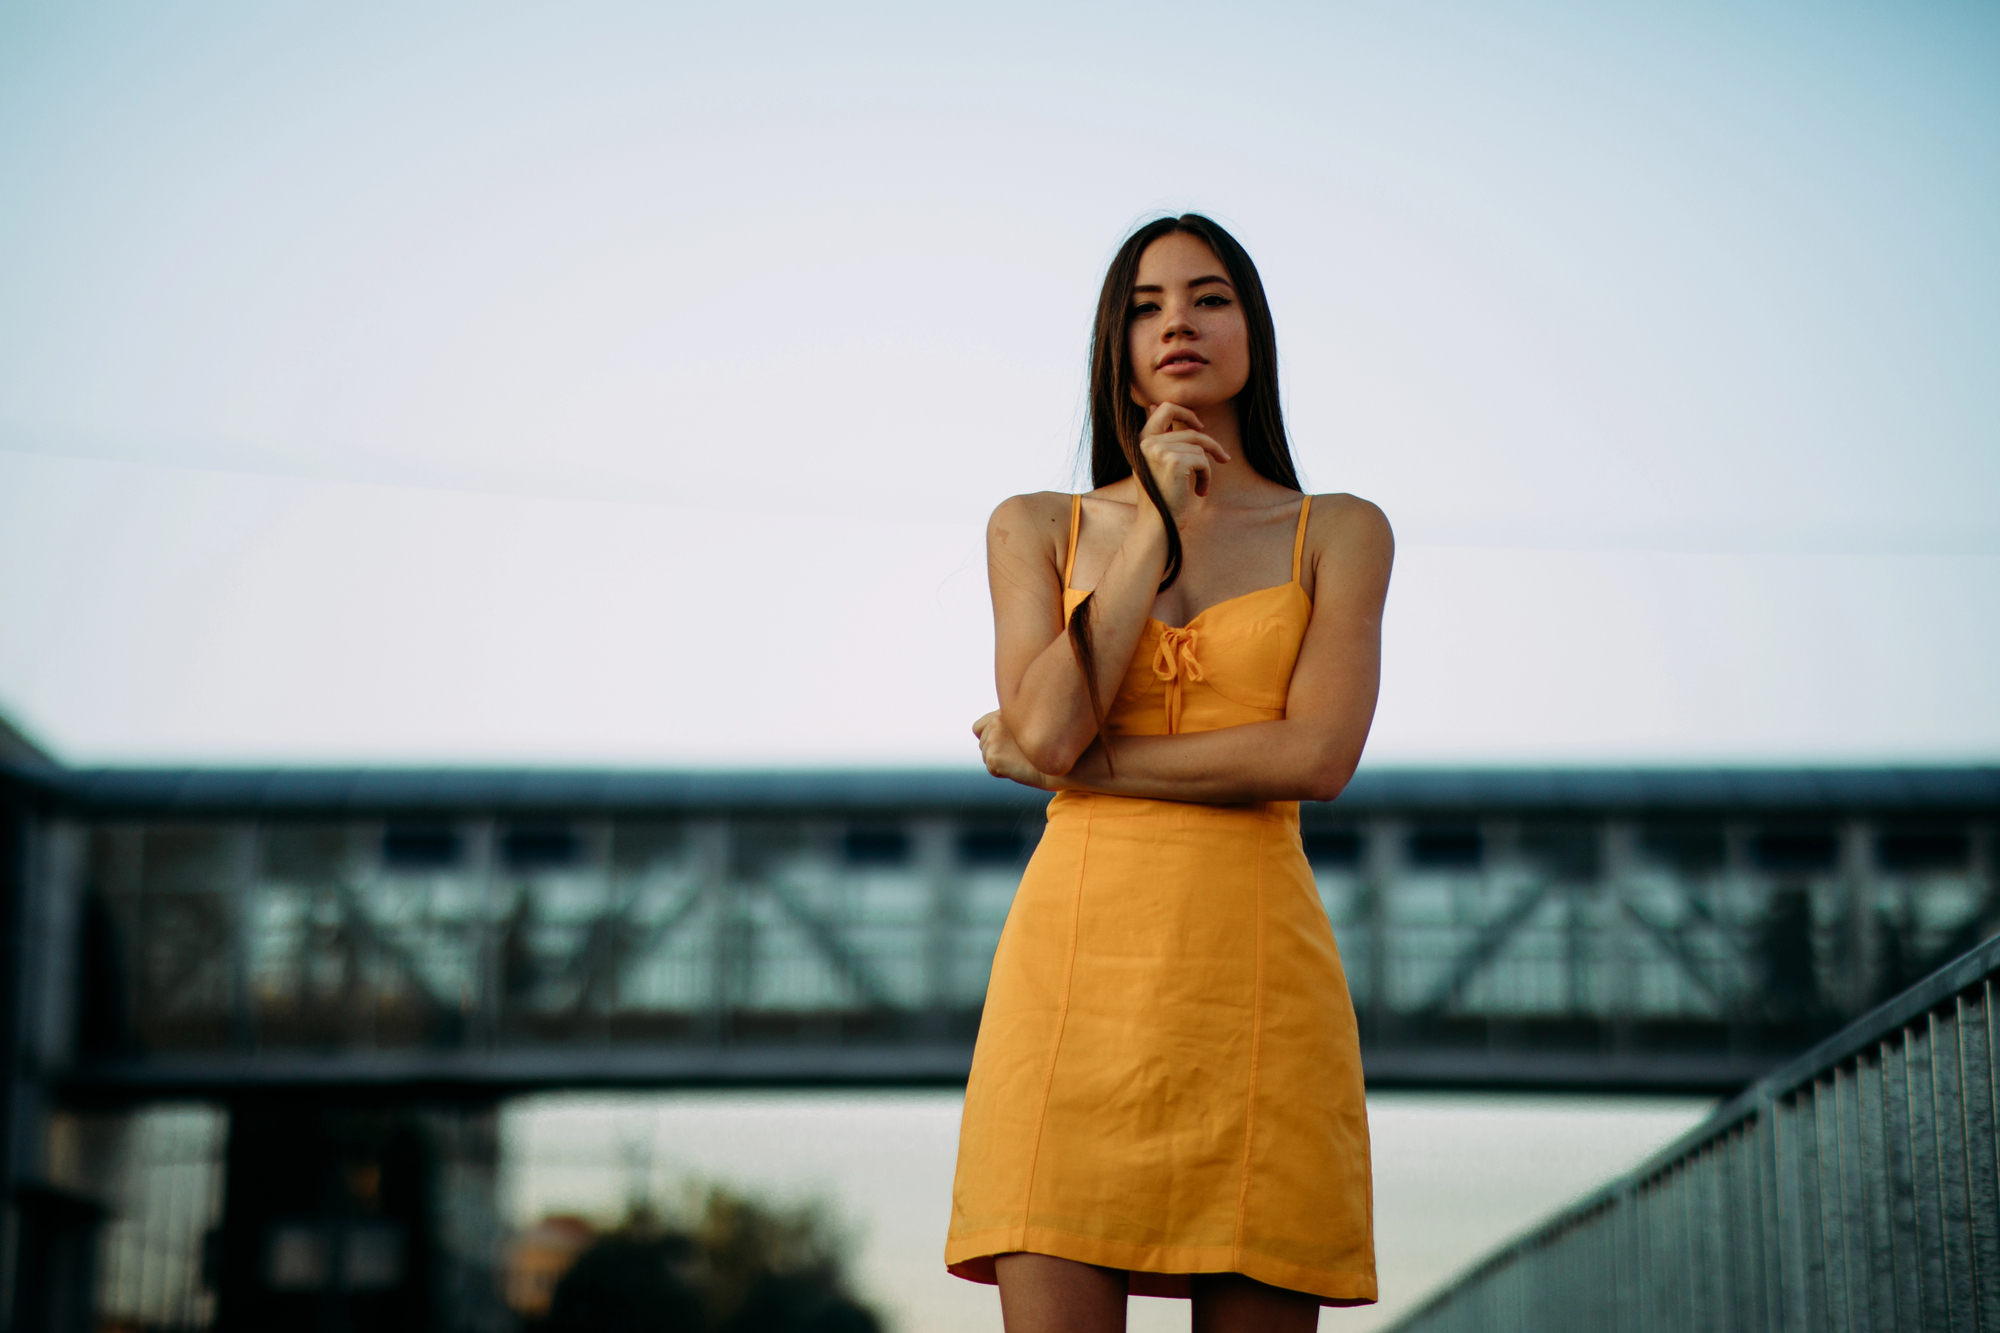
x=1040 y=1293
x=1232 y=1303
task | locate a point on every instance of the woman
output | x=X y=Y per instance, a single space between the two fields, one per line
x=1166 y=1096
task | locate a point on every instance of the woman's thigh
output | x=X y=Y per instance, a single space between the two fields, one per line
x=1232 y=1303
x=1040 y=1293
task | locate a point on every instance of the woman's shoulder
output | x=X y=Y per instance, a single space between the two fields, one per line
x=1035 y=506
x=1341 y=523
x=1034 y=515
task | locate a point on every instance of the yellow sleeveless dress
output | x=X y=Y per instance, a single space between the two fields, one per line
x=1168 y=1076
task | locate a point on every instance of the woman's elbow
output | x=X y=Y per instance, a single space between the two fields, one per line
x=1055 y=755
x=1329 y=776
x=1047 y=759
x=1323 y=787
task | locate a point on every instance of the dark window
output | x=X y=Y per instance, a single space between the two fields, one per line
x=1445 y=848
x=420 y=847
x=1565 y=851
x=877 y=846
x=540 y=848
x=1691 y=848
x=1332 y=847
x=990 y=846
x=1796 y=849
x=304 y=855
x=1923 y=849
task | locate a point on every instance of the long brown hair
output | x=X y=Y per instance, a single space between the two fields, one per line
x=1115 y=420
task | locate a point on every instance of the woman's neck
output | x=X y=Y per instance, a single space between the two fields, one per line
x=1218 y=422
x=1235 y=479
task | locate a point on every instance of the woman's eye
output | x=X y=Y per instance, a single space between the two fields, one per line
x=1144 y=308
x=1213 y=299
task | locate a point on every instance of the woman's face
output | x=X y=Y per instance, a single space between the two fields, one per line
x=1188 y=342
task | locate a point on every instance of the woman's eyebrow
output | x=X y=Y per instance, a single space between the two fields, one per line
x=1192 y=282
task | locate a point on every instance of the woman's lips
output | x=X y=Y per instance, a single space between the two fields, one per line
x=1183 y=366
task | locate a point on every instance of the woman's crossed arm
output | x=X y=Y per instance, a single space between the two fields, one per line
x=1309 y=754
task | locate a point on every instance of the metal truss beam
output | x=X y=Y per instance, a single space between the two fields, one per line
x=1674 y=945
x=373 y=941
x=826 y=938
x=1485 y=947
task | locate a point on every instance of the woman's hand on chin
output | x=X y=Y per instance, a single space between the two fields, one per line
x=1181 y=459
x=1003 y=757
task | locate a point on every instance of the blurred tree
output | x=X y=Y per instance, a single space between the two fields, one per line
x=777 y=1272
x=742 y=1268
x=628 y=1283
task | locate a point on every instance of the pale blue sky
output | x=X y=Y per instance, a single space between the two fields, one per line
x=618 y=383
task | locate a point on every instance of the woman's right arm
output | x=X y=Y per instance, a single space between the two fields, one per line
x=1041 y=688
x=1042 y=695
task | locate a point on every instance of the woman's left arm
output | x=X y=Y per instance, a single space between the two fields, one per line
x=1311 y=752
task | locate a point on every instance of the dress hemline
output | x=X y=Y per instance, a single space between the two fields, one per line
x=1157 y=1270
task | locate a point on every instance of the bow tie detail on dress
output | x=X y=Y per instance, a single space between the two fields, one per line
x=1175 y=663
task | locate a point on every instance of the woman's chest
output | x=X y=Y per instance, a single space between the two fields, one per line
x=1230 y=665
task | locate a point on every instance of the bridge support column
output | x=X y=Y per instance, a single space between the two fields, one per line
x=240 y=867
x=359 y=1217
x=48 y=1232
x=710 y=842
x=933 y=839
x=1618 y=862
x=1382 y=867
x=1859 y=961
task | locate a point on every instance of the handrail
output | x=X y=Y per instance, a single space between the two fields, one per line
x=1814 y=1188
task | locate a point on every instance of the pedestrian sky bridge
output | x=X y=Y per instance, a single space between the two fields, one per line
x=252 y=1015
x=480 y=932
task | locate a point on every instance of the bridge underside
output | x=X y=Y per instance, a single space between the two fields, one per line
x=1520 y=1056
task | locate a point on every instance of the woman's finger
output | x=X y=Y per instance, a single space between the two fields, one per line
x=1164 y=416
x=1195 y=437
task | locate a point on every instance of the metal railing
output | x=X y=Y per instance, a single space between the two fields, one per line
x=1855 y=1188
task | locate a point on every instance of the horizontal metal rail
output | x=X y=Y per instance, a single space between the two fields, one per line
x=1856 y=1187
x=795 y=1063
x=274 y=791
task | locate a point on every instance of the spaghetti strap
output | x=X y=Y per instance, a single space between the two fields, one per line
x=1298 y=542
x=1075 y=523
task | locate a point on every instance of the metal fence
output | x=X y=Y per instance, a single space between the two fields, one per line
x=1855 y=1188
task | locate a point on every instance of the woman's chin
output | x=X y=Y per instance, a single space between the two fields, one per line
x=1195 y=398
